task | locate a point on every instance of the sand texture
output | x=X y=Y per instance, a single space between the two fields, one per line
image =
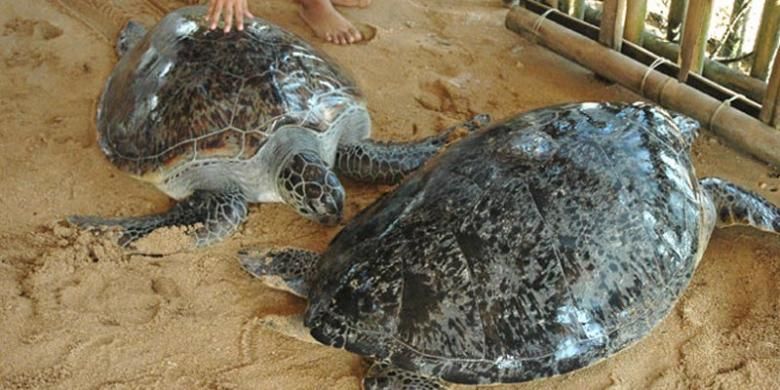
x=77 y=312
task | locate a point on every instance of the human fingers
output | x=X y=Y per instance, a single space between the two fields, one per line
x=229 y=17
x=247 y=11
x=240 y=10
x=217 y=13
x=210 y=12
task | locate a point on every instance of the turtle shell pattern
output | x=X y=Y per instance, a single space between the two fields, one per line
x=185 y=93
x=530 y=249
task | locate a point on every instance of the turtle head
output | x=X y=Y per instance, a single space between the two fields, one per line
x=306 y=183
x=286 y=269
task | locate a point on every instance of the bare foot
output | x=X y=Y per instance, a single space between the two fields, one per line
x=327 y=23
x=351 y=3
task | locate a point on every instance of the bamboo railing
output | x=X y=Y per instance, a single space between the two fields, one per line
x=690 y=20
x=767 y=40
x=739 y=121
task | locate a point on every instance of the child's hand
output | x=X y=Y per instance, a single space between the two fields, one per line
x=231 y=8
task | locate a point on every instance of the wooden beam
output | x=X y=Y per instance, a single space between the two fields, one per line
x=770 y=109
x=676 y=16
x=635 y=20
x=694 y=37
x=736 y=127
x=612 y=23
x=767 y=39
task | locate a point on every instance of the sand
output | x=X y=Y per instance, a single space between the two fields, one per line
x=78 y=312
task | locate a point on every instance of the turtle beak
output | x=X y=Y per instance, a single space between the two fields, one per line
x=330 y=220
x=254 y=261
x=330 y=207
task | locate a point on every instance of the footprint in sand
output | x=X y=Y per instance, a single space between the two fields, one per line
x=367 y=31
x=441 y=96
x=28 y=55
x=37 y=29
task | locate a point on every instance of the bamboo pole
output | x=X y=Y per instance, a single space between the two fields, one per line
x=713 y=70
x=676 y=16
x=770 y=110
x=636 y=12
x=612 y=24
x=736 y=127
x=694 y=37
x=578 y=9
x=574 y=8
x=767 y=40
x=640 y=54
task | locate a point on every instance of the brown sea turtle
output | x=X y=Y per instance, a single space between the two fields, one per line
x=218 y=120
x=539 y=246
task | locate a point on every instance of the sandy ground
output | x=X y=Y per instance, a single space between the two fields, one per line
x=78 y=312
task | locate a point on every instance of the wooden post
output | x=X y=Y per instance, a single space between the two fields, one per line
x=635 y=20
x=676 y=16
x=767 y=40
x=694 y=37
x=770 y=110
x=574 y=8
x=578 y=9
x=736 y=127
x=612 y=22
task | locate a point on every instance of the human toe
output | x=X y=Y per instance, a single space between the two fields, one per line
x=355 y=35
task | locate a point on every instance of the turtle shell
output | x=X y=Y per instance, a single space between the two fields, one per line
x=530 y=249
x=186 y=93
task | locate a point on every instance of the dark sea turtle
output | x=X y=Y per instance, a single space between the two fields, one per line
x=539 y=246
x=217 y=121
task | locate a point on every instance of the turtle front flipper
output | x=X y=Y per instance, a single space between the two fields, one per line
x=218 y=213
x=383 y=376
x=388 y=162
x=284 y=269
x=736 y=206
x=131 y=34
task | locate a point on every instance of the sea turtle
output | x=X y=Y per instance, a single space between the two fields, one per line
x=529 y=249
x=218 y=120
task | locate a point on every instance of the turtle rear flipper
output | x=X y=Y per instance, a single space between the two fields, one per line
x=130 y=35
x=218 y=213
x=736 y=206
